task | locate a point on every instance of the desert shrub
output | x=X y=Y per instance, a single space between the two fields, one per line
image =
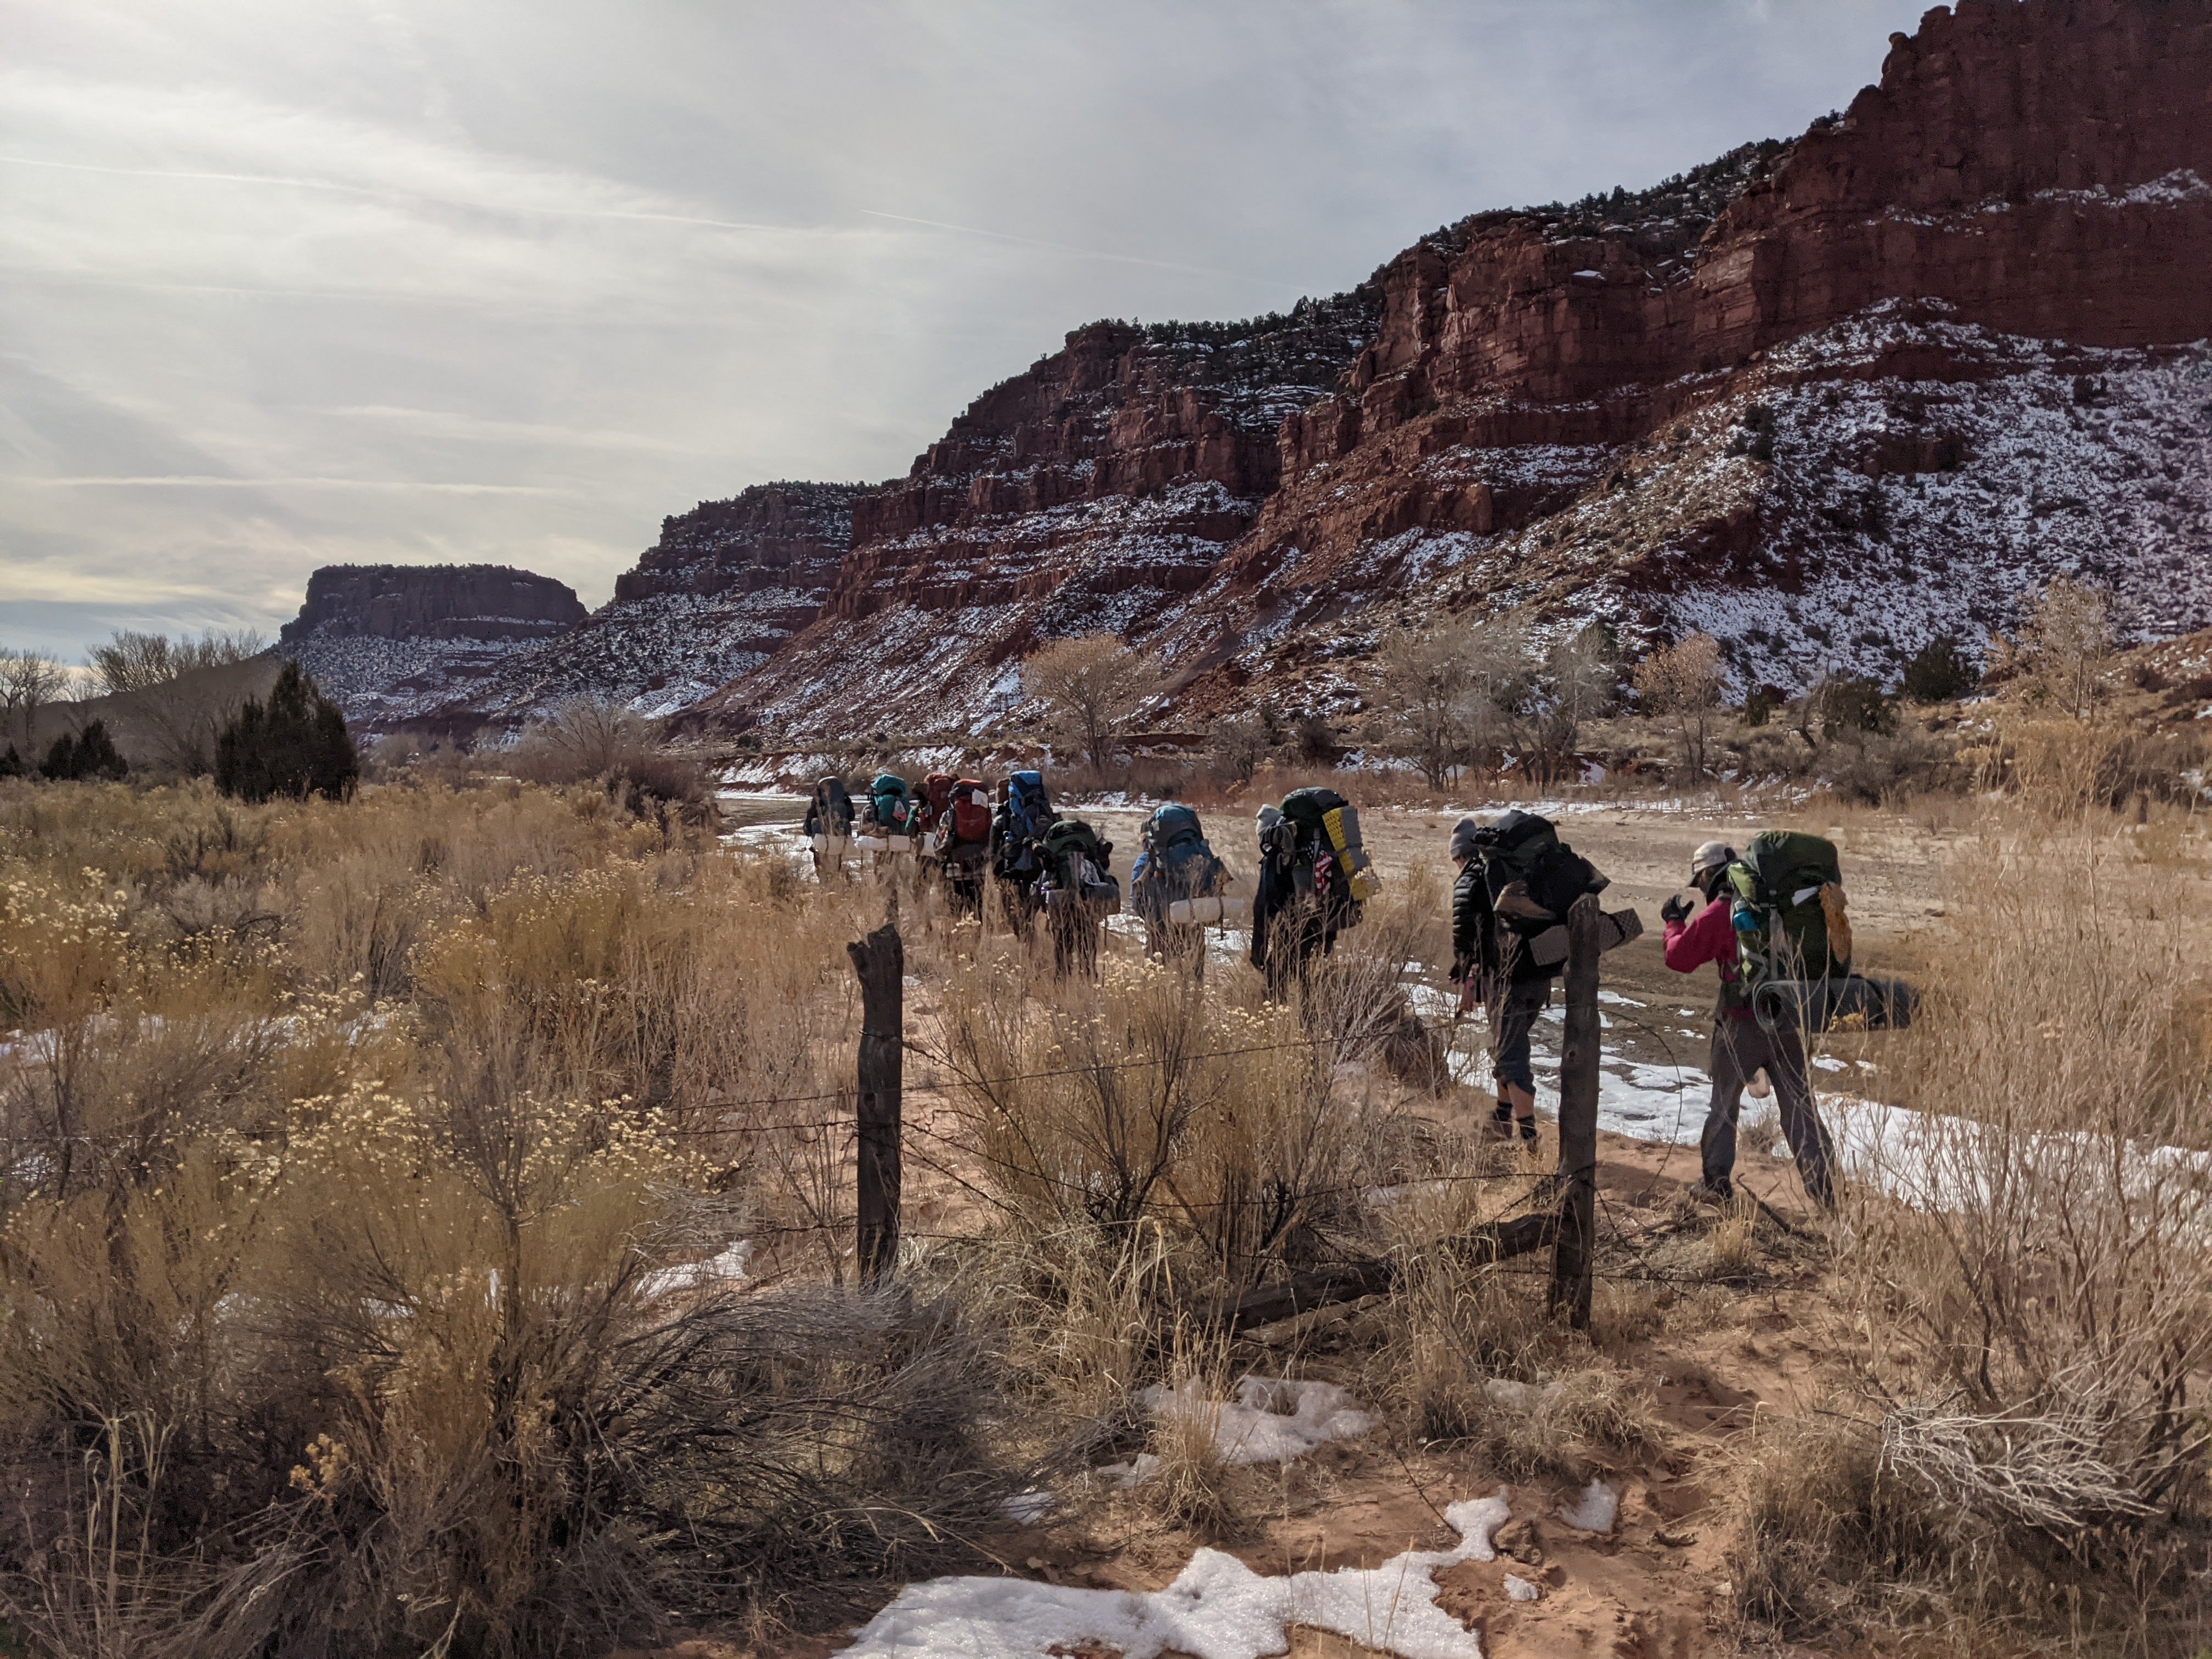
x=1816 y=1526
x=1852 y=705
x=1878 y=768
x=369 y=1177
x=2067 y=769
x=1940 y=672
x=2028 y=1253
x=587 y=740
x=90 y=753
x=296 y=745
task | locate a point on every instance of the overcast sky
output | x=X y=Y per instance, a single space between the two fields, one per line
x=292 y=283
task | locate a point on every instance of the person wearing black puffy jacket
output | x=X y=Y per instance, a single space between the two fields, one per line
x=1489 y=966
x=1518 y=882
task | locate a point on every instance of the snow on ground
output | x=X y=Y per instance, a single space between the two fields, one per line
x=1271 y=1420
x=1217 y=1608
x=725 y=1266
x=1594 y=1509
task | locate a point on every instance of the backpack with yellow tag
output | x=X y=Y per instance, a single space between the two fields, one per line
x=1331 y=863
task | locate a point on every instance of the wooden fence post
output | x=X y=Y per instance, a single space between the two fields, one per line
x=879 y=960
x=1578 y=1079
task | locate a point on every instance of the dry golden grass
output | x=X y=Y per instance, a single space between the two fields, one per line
x=2027 y=1266
x=352 y=1158
x=357 y=1163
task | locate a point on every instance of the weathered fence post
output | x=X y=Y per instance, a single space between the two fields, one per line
x=879 y=960
x=1578 y=1076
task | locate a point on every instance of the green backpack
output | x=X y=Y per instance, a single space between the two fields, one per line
x=1782 y=920
x=1069 y=837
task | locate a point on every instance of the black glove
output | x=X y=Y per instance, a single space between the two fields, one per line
x=1676 y=909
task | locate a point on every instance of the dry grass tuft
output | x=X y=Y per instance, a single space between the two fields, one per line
x=356 y=1164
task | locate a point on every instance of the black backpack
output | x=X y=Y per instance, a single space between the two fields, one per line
x=1077 y=863
x=1534 y=877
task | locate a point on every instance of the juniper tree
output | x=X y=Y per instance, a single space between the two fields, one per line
x=296 y=745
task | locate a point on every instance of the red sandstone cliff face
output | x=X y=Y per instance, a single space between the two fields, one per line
x=2034 y=169
x=1016 y=495
x=1956 y=320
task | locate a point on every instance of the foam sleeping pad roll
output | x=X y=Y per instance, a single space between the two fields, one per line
x=1861 y=1000
x=1199 y=911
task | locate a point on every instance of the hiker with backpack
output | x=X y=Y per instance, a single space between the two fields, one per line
x=1315 y=874
x=892 y=805
x=1176 y=868
x=1774 y=913
x=828 y=825
x=956 y=826
x=1076 y=889
x=1516 y=882
x=1018 y=824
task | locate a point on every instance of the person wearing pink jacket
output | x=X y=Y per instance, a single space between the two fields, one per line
x=1740 y=1045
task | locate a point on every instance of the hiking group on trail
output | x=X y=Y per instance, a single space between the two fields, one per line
x=1773 y=924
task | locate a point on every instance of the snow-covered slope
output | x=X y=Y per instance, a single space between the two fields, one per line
x=1825 y=400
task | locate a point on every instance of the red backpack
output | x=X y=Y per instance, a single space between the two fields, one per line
x=936 y=799
x=972 y=812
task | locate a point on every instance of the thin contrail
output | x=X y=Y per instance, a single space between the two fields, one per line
x=385 y=192
x=1080 y=252
x=216 y=481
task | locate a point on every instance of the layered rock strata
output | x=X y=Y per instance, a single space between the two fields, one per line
x=1826 y=398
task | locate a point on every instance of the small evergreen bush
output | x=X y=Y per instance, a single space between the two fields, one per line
x=295 y=744
x=1940 y=672
x=90 y=754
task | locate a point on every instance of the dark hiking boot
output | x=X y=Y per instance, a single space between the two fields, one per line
x=1499 y=1125
x=1721 y=1192
x=1526 y=1125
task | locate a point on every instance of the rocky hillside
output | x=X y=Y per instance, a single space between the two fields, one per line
x=388 y=640
x=726 y=587
x=1824 y=398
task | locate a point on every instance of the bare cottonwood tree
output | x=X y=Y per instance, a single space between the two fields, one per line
x=173 y=690
x=1684 y=682
x=144 y=662
x=1575 y=682
x=29 y=680
x=1452 y=696
x=1239 y=746
x=1091 y=685
x=1424 y=690
x=2064 y=651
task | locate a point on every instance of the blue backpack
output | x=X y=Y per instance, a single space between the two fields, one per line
x=1028 y=814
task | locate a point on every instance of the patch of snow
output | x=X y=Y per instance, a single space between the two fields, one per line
x=1594 y=1510
x=1518 y=1589
x=725 y=1266
x=1217 y=1608
x=1027 y=1507
x=1272 y=1420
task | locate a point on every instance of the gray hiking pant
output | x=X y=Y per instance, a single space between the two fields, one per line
x=1739 y=1049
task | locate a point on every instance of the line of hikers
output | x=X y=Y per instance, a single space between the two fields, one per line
x=1773 y=923
x=1314 y=873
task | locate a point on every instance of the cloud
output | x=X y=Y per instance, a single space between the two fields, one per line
x=491 y=280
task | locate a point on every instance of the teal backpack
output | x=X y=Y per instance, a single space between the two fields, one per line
x=893 y=801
